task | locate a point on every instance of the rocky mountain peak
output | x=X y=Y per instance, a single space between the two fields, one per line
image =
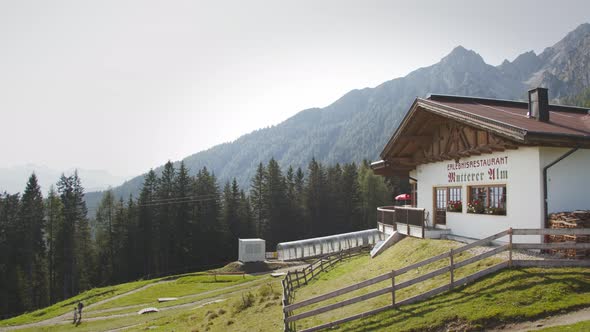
x=522 y=67
x=566 y=65
x=462 y=60
x=581 y=32
x=572 y=41
x=461 y=55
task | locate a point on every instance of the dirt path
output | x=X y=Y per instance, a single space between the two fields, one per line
x=181 y=297
x=556 y=320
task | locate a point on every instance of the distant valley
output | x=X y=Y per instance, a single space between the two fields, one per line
x=13 y=179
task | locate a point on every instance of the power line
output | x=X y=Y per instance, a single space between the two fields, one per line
x=165 y=201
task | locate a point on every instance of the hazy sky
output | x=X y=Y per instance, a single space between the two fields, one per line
x=126 y=85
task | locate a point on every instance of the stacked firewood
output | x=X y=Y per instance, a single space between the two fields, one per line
x=575 y=219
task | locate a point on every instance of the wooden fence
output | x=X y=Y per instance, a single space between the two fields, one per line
x=297 y=278
x=216 y=273
x=290 y=318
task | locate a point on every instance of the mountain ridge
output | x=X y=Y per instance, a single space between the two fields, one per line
x=355 y=126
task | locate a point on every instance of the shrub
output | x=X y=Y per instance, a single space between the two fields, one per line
x=246 y=302
x=268 y=291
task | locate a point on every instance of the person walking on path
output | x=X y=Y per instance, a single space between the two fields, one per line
x=75 y=315
x=80 y=306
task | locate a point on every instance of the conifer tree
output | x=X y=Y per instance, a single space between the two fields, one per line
x=105 y=216
x=351 y=202
x=132 y=246
x=10 y=301
x=148 y=243
x=247 y=228
x=31 y=250
x=276 y=204
x=211 y=229
x=292 y=209
x=166 y=196
x=74 y=251
x=181 y=241
x=121 y=267
x=333 y=223
x=258 y=200
x=299 y=204
x=231 y=201
x=55 y=220
x=315 y=203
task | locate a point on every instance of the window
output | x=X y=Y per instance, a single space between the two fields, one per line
x=487 y=200
x=455 y=203
x=449 y=199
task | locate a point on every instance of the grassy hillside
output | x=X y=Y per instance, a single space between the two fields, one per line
x=89 y=297
x=254 y=303
x=508 y=296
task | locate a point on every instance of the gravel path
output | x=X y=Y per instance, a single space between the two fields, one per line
x=516 y=254
x=555 y=320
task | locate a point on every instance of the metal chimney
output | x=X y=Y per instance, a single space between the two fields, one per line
x=539 y=104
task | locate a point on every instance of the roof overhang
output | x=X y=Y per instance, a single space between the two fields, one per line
x=502 y=129
x=385 y=168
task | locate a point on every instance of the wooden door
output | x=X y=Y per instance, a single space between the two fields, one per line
x=440 y=206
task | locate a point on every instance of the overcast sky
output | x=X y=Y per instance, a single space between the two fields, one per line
x=126 y=85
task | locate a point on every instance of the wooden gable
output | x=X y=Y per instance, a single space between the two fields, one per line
x=426 y=137
x=453 y=140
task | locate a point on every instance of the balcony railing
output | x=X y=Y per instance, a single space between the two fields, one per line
x=406 y=220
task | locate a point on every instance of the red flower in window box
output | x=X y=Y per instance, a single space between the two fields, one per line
x=475 y=206
x=455 y=206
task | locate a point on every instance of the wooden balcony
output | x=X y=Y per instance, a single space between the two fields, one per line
x=407 y=221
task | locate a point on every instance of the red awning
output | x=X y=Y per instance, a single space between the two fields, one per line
x=403 y=197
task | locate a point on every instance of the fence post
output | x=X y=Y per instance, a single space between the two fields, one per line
x=510 y=247
x=452 y=267
x=285 y=303
x=297 y=278
x=423 y=231
x=392 y=288
x=322 y=264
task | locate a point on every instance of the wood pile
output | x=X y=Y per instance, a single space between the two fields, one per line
x=575 y=219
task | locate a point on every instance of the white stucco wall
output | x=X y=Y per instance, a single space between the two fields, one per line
x=568 y=182
x=523 y=193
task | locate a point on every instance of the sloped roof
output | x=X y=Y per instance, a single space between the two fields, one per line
x=567 y=126
x=505 y=121
x=563 y=120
